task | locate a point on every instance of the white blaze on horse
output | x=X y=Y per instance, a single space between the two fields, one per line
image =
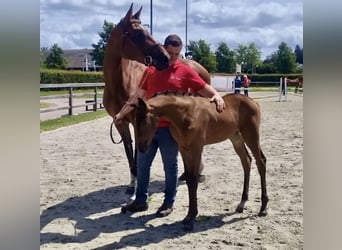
x=129 y=49
x=194 y=122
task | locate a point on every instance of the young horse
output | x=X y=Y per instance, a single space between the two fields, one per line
x=130 y=46
x=194 y=122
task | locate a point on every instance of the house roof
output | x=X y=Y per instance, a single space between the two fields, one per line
x=77 y=57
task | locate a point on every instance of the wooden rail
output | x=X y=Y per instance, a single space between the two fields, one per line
x=95 y=102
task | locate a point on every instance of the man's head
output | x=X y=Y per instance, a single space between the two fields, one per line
x=173 y=45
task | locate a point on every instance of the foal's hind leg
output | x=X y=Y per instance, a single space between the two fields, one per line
x=246 y=159
x=252 y=140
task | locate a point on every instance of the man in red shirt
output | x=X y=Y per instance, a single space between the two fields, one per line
x=178 y=77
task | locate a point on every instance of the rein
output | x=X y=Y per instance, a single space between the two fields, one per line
x=111 y=134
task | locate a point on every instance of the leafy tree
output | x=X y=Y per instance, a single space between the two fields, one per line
x=249 y=56
x=99 y=48
x=225 y=59
x=269 y=64
x=44 y=51
x=285 y=59
x=201 y=53
x=299 y=54
x=55 y=59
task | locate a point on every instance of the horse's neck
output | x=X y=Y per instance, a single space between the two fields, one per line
x=131 y=72
x=126 y=75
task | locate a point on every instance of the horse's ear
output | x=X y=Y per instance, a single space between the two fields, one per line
x=137 y=15
x=128 y=16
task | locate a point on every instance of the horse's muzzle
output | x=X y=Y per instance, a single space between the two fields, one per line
x=161 y=63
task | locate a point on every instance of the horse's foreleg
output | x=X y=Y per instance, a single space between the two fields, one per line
x=245 y=159
x=192 y=161
x=192 y=183
x=130 y=154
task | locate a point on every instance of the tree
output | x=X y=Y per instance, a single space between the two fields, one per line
x=99 y=48
x=55 y=59
x=44 y=51
x=201 y=53
x=299 y=54
x=248 y=56
x=225 y=59
x=286 y=59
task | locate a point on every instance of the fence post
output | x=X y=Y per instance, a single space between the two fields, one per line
x=95 y=98
x=70 y=100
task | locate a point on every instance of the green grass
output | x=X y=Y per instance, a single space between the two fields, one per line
x=46 y=105
x=70 y=120
x=75 y=91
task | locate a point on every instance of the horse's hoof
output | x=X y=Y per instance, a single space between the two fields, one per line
x=130 y=190
x=188 y=224
x=201 y=178
x=262 y=213
x=123 y=210
x=239 y=209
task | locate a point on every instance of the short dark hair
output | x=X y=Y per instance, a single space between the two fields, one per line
x=173 y=40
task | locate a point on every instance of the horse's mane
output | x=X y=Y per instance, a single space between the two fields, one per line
x=174 y=92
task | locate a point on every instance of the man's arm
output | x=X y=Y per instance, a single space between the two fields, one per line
x=210 y=92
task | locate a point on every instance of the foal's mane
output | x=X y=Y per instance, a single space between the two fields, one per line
x=174 y=92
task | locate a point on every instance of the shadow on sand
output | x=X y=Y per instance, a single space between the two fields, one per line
x=78 y=210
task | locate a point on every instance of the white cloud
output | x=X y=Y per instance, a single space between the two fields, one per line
x=76 y=23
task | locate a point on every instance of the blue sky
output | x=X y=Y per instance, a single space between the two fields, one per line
x=74 y=24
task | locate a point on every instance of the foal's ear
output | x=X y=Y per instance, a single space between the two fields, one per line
x=137 y=15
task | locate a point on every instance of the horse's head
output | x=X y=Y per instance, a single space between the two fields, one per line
x=136 y=43
x=146 y=125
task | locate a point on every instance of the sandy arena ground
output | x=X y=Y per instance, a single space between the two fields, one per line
x=83 y=178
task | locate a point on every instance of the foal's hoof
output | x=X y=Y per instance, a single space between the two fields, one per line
x=239 y=209
x=130 y=190
x=262 y=213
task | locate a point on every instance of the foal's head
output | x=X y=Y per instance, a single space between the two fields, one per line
x=135 y=42
x=146 y=125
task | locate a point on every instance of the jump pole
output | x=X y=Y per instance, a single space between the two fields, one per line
x=283 y=89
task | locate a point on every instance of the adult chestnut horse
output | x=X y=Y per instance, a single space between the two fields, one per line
x=129 y=48
x=195 y=123
x=297 y=82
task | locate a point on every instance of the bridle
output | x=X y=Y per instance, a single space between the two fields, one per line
x=147 y=51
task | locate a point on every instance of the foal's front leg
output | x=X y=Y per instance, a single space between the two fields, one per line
x=192 y=183
x=192 y=162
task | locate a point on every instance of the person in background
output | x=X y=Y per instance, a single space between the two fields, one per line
x=246 y=82
x=178 y=77
x=237 y=83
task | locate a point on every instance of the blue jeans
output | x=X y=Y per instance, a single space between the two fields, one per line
x=168 y=148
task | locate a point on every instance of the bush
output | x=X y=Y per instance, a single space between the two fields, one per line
x=66 y=76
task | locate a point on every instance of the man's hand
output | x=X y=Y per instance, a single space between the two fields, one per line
x=220 y=105
x=118 y=118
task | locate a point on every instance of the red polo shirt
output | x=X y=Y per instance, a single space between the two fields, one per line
x=178 y=77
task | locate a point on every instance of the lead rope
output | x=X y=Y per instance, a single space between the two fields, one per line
x=111 y=134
